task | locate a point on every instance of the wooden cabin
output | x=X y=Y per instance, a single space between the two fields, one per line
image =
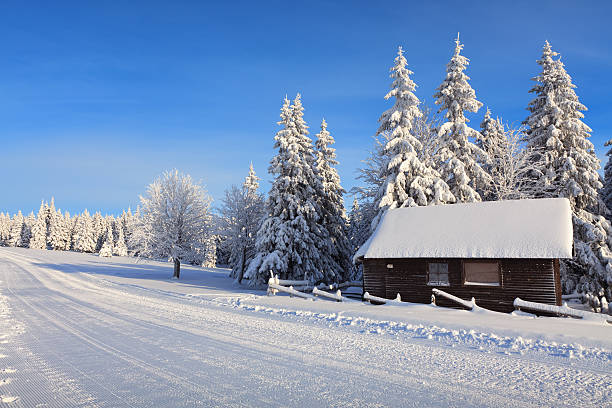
x=492 y=251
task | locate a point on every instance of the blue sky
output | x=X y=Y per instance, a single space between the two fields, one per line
x=98 y=99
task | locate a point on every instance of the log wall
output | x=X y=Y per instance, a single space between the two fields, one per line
x=535 y=280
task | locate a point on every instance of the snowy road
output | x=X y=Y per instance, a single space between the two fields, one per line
x=79 y=331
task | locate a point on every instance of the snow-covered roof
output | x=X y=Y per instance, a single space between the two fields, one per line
x=540 y=228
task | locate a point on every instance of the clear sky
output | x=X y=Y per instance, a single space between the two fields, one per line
x=99 y=98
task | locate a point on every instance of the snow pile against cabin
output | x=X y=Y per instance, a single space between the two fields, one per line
x=498 y=229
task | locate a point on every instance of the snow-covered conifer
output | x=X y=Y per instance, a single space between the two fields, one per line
x=69 y=223
x=242 y=212
x=570 y=169
x=333 y=214
x=5 y=228
x=606 y=191
x=457 y=158
x=407 y=180
x=290 y=238
x=175 y=219
x=137 y=242
x=17 y=225
x=107 y=246
x=59 y=232
x=425 y=129
x=208 y=254
x=38 y=239
x=26 y=232
x=99 y=230
x=359 y=231
x=124 y=220
x=129 y=222
x=84 y=234
x=50 y=214
x=359 y=227
x=120 y=247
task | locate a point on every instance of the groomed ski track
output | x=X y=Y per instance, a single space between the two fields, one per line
x=70 y=336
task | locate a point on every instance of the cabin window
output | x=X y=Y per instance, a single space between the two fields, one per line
x=437 y=274
x=481 y=273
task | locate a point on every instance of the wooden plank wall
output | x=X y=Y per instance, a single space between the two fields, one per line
x=530 y=279
x=374 y=277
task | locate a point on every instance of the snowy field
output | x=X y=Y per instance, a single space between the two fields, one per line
x=78 y=330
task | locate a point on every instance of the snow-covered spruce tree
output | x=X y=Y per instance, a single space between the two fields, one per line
x=125 y=221
x=70 y=224
x=73 y=237
x=492 y=141
x=38 y=239
x=242 y=212
x=359 y=227
x=457 y=158
x=333 y=214
x=325 y=263
x=206 y=256
x=26 y=232
x=99 y=230
x=289 y=237
x=425 y=129
x=556 y=129
x=372 y=174
x=59 y=232
x=17 y=224
x=359 y=231
x=542 y=134
x=5 y=228
x=606 y=191
x=137 y=243
x=232 y=241
x=175 y=218
x=408 y=181
x=224 y=252
x=50 y=219
x=84 y=234
x=132 y=226
x=107 y=246
x=120 y=247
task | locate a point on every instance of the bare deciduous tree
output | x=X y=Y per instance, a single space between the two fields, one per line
x=174 y=218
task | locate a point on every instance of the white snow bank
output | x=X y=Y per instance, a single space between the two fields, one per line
x=539 y=228
x=454 y=334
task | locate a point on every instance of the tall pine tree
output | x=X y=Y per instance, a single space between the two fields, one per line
x=17 y=225
x=5 y=228
x=494 y=143
x=120 y=247
x=408 y=181
x=242 y=212
x=38 y=239
x=289 y=239
x=606 y=191
x=59 y=232
x=570 y=170
x=107 y=245
x=458 y=158
x=84 y=234
x=332 y=204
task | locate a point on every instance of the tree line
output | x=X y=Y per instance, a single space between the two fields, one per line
x=54 y=230
x=421 y=156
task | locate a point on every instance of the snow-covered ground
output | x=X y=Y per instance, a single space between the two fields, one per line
x=79 y=330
